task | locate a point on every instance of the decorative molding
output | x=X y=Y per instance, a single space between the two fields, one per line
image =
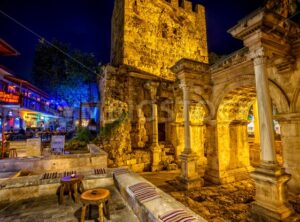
x=232 y=59
x=185 y=86
x=260 y=61
x=152 y=88
x=191 y=66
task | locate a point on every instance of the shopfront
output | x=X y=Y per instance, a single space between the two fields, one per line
x=39 y=120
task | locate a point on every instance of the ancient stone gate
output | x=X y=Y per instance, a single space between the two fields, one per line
x=164 y=104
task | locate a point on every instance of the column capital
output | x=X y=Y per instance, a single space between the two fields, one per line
x=152 y=87
x=184 y=86
x=259 y=56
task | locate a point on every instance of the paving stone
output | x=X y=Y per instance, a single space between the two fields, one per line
x=46 y=209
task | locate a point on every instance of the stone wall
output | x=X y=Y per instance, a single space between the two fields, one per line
x=129 y=142
x=23 y=188
x=153 y=35
x=55 y=163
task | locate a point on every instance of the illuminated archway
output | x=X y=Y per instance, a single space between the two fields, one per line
x=232 y=135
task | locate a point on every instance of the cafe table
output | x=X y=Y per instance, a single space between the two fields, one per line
x=71 y=184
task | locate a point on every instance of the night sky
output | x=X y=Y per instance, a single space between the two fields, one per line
x=85 y=24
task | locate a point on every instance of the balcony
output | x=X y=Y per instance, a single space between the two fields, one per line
x=38 y=106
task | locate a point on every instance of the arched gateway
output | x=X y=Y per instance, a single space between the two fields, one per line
x=182 y=110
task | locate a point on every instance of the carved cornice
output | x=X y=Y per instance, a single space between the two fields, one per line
x=230 y=60
x=266 y=21
x=190 y=66
x=283 y=63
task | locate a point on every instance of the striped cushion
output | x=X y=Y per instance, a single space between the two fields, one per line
x=55 y=175
x=68 y=173
x=139 y=186
x=144 y=192
x=99 y=171
x=50 y=176
x=120 y=171
x=177 y=216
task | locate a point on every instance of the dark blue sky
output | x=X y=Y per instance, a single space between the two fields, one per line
x=85 y=24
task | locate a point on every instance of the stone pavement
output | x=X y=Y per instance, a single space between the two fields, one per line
x=215 y=203
x=46 y=209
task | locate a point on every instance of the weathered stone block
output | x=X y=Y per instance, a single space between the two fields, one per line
x=138 y=168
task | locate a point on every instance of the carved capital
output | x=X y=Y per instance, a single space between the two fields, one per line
x=259 y=56
x=260 y=61
x=152 y=87
x=185 y=87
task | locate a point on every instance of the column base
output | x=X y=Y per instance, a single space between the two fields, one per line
x=193 y=184
x=261 y=214
x=190 y=178
x=156 y=158
x=228 y=176
x=270 y=200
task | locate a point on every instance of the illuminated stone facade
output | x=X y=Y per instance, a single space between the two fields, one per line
x=184 y=112
x=152 y=36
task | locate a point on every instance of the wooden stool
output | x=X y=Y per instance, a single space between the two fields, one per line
x=72 y=185
x=97 y=197
x=13 y=153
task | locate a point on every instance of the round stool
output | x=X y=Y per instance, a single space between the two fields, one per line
x=97 y=197
x=13 y=153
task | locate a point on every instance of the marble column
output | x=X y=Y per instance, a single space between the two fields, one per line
x=186 y=116
x=155 y=148
x=190 y=178
x=255 y=146
x=256 y=123
x=270 y=179
x=154 y=124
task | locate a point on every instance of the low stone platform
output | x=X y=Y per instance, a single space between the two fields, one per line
x=22 y=188
x=150 y=210
x=216 y=203
x=55 y=163
x=46 y=209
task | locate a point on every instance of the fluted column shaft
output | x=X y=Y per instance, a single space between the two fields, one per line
x=268 y=155
x=186 y=114
x=154 y=124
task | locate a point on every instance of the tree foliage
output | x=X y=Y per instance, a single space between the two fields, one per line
x=61 y=76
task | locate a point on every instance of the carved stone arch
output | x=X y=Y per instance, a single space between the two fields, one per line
x=200 y=100
x=295 y=104
x=279 y=97
x=214 y=106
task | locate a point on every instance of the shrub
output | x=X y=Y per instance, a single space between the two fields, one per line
x=79 y=143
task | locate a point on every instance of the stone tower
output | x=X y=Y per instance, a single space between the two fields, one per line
x=148 y=38
x=152 y=35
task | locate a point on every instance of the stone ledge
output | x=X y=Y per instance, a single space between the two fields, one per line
x=55 y=163
x=23 y=188
x=148 y=211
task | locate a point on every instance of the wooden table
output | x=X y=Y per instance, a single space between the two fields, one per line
x=73 y=185
x=97 y=197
